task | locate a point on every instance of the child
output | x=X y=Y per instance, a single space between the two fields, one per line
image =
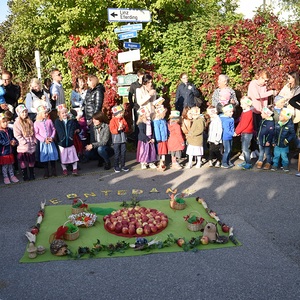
x=66 y=128
x=146 y=153
x=265 y=138
x=24 y=133
x=279 y=103
x=245 y=129
x=176 y=142
x=7 y=141
x=228 y=132
x=161 y=135
x=283 y=135
x=118 y=127
x=186 y=124
x=45 y=133
x=2 y=92
x=195 y=138
x=214 y=137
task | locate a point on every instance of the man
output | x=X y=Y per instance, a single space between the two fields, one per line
x=57 y=92
x=12 y=91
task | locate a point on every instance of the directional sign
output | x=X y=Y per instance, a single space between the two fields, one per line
x=132 y=55
x=128 y=15
x=127 y=35
x=127 y=79
x=129 y=45
x=123 y=90
x=131 y=27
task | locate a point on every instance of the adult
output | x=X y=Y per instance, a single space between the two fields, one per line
x=146 y=94
x=12 y=91
x=185 y=93
x=94 y=97
x=132 y=90
x=258 y=93
x=100 y=141
x=78 y=94
x=36 y=97
x=57 y=93
x=223 y=94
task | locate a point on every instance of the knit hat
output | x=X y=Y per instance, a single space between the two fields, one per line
x=246 y=100
x=20 y=108
x=267 y=111
x=158 y=101
x=117 y=109
x=286 y=113
x=227 y=108
x=175 y=114
x=41 y=109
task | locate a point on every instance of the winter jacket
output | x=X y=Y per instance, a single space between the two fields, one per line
x=100 y=135
x=195 y=135
x=266 y=132
x=5 y=137
x=284 y=134
x=228 y=127
x=118 y=136
x=185 y=95
x=26 y=144
x=160 y=130
x=246 y=123
x=176 y=139
x=94 y=100
x=65 y=132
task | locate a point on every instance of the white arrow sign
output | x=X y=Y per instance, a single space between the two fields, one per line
x=128 y=15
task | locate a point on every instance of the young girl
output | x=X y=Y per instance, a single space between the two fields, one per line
x=146 y=153
x=7 y=141
x=195 y=138
x=45 y=133
x=161 y=135
x=24 y=133
x=66 y=128
x=176 y=140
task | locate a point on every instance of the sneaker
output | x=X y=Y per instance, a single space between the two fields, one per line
x=6 y=180
x=117 y=169
x=259 y=164
x=14 y=179
x=143 y=166
x=242 y=164
x=285 y=169
x=210 y=163
x=241 y=157
x=225 y=166
x=231 y=165
x=65 y=173
x=75 y=172
x=247 y=167
x=274 y=169
x=198 y=166
x=125 y=169
x=298 y=174
x=152 y=166
x=218 y=164
x=267 y=166
x=253 y=154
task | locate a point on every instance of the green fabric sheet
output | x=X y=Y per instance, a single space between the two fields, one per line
x=57 y=215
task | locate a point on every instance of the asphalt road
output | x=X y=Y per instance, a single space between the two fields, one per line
x=262 y=206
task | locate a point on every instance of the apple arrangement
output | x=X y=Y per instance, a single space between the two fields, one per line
x=135 y=221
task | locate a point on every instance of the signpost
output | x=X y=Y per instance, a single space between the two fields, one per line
x=127 y=35
x=128 y=15
x=129 y=45
x=130 y=27
x=129 y=56
x=123 y=90
x=127 y=79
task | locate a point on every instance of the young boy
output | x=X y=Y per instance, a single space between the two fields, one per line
x=214 y=137
x=265 y=138
x=245 y=129
x=118 y=127
x=279 y=103
x=283 y=135
x=228 y=132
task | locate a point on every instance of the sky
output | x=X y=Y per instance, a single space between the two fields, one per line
x=246 y=7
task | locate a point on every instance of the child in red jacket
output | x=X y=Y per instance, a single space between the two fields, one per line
x=118 y=127
x=245 y=129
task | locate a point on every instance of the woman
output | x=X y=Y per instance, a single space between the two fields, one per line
x=94 y=97
x=186 y=93
x=223 y=94
x=36 y=97
x=146 y=94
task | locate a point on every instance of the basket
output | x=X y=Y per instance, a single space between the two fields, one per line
x=78 y=219
x=71 y=236
x=78 y=210
x=175 y=205
x=197 y=226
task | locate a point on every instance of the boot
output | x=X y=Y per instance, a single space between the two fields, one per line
x=31 y=173
x=25 y=174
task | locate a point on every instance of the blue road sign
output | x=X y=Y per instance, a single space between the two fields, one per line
x=127 y=35
x=131 y=27
x=129 y=45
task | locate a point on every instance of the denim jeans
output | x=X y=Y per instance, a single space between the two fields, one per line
x=104 y=152
x=246 y=140
x=283 y=153
x=265 y=150
x=120 y=152
x=227 y=150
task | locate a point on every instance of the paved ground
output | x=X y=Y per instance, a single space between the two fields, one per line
x=262 y=206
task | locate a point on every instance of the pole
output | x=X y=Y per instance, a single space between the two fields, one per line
x=38 y=63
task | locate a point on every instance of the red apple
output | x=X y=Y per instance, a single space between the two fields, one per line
x=159 y=225
x=153 y=228
x=164 y=223
x=34 y=230
x=147 y=229
x=180 y=242
x=204 y=240
x=131 y=229
x=225 y=228
x=119 y=227
x=125 y=230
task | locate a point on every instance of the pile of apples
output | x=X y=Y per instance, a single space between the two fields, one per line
x=135 y=221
